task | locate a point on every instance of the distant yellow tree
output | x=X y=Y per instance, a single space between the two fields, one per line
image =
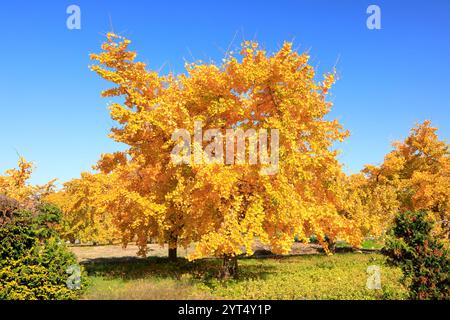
x=371 y=205
x=84 y=215
x=15 y=184
x=418 y=169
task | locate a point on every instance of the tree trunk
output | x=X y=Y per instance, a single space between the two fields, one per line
x=229 y=267
x=172 y=248
x=331 y=244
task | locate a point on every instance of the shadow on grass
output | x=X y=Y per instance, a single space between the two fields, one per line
x=133 y=268
x=264 y=254
x=204 y=270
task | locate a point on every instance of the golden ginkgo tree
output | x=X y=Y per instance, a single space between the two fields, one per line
x=418 y=170
x=223 y=206
x=370 y=204
x=84 y=215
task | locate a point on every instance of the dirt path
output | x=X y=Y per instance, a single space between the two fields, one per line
x=84 y=253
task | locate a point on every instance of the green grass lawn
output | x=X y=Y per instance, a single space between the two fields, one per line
x=341 y=276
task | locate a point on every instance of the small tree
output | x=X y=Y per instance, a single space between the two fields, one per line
x=424 y=260
x=33 y=261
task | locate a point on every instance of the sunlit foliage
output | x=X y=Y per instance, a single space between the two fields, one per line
x=224 y=208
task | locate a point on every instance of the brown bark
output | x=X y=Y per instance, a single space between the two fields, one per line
x=331 y=245
x=229 y=267
x=172 y=253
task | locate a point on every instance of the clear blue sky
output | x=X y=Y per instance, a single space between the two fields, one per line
x=52 y=113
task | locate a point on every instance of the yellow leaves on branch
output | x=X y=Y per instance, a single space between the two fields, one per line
x=15 y=184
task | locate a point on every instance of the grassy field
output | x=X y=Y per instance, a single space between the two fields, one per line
x=314 y=276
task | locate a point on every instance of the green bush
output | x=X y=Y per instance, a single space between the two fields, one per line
x=425 y=262
x=33 y=259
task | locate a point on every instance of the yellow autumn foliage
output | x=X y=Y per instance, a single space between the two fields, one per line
x=84 y=216
x=222 y=208
x=414 y=176
x=15 y=184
